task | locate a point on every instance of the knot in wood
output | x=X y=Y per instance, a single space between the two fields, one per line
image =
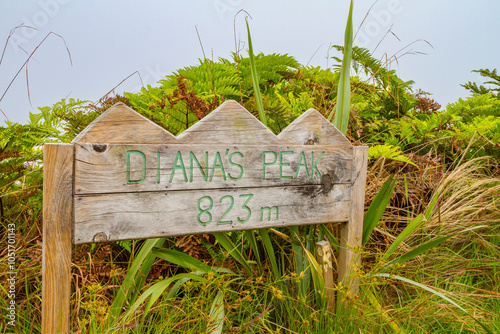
x=100 y=237
x=326 y=183
x=100 y=148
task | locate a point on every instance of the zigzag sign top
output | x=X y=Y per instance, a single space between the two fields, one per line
x=230 y=123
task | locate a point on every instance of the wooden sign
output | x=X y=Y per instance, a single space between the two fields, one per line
x=124 y=178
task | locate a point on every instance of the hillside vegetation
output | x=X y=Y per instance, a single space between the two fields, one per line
x=431 y=243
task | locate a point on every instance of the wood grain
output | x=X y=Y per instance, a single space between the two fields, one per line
x=158 y=214
x=105 y=169
x=230 y=123
x=57 y=231
x=121 y=124
x=351 y=233
x=311 y=128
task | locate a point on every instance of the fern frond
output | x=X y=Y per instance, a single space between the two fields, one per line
x=388 y=152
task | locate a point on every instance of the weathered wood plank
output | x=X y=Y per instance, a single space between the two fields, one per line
x=147 y=215
x=230 y=123
x=311 y=128
x=134 y=168
x=57 y=232
x=351 y=233
x=324 y=257
x=121 y=124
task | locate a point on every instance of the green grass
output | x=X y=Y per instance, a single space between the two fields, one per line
x=281 y=293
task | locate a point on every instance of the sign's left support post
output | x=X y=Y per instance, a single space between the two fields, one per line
x=58 y=164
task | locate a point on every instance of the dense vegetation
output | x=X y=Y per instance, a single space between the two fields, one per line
x=431 y=260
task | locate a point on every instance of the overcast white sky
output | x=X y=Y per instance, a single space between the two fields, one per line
x=109 y=40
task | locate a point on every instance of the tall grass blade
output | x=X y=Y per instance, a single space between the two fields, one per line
x=437 y=293
x=333 y=241
x=174 y=290
x=341 y=118
x=409 y=229
x=302 y=284
x=231 y=248
x=424 y=248
x=184 y=277
x=318 y=279
x=136 y=275
x=377 y=207
x=430 y=209
x=255 y=79
x=310 y=234
x=310 y=245
x=249 y=236
x=373 y=300
x=157 y=289
x=407 y=197
x=216 y=320
x=181 y=259
x=270 y=252
x=418 y=251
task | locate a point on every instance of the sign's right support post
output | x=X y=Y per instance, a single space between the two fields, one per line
x=351 y=233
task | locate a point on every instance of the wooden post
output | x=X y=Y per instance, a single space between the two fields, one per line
x=351 y=233
x=324 y=258
x=57 y=235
